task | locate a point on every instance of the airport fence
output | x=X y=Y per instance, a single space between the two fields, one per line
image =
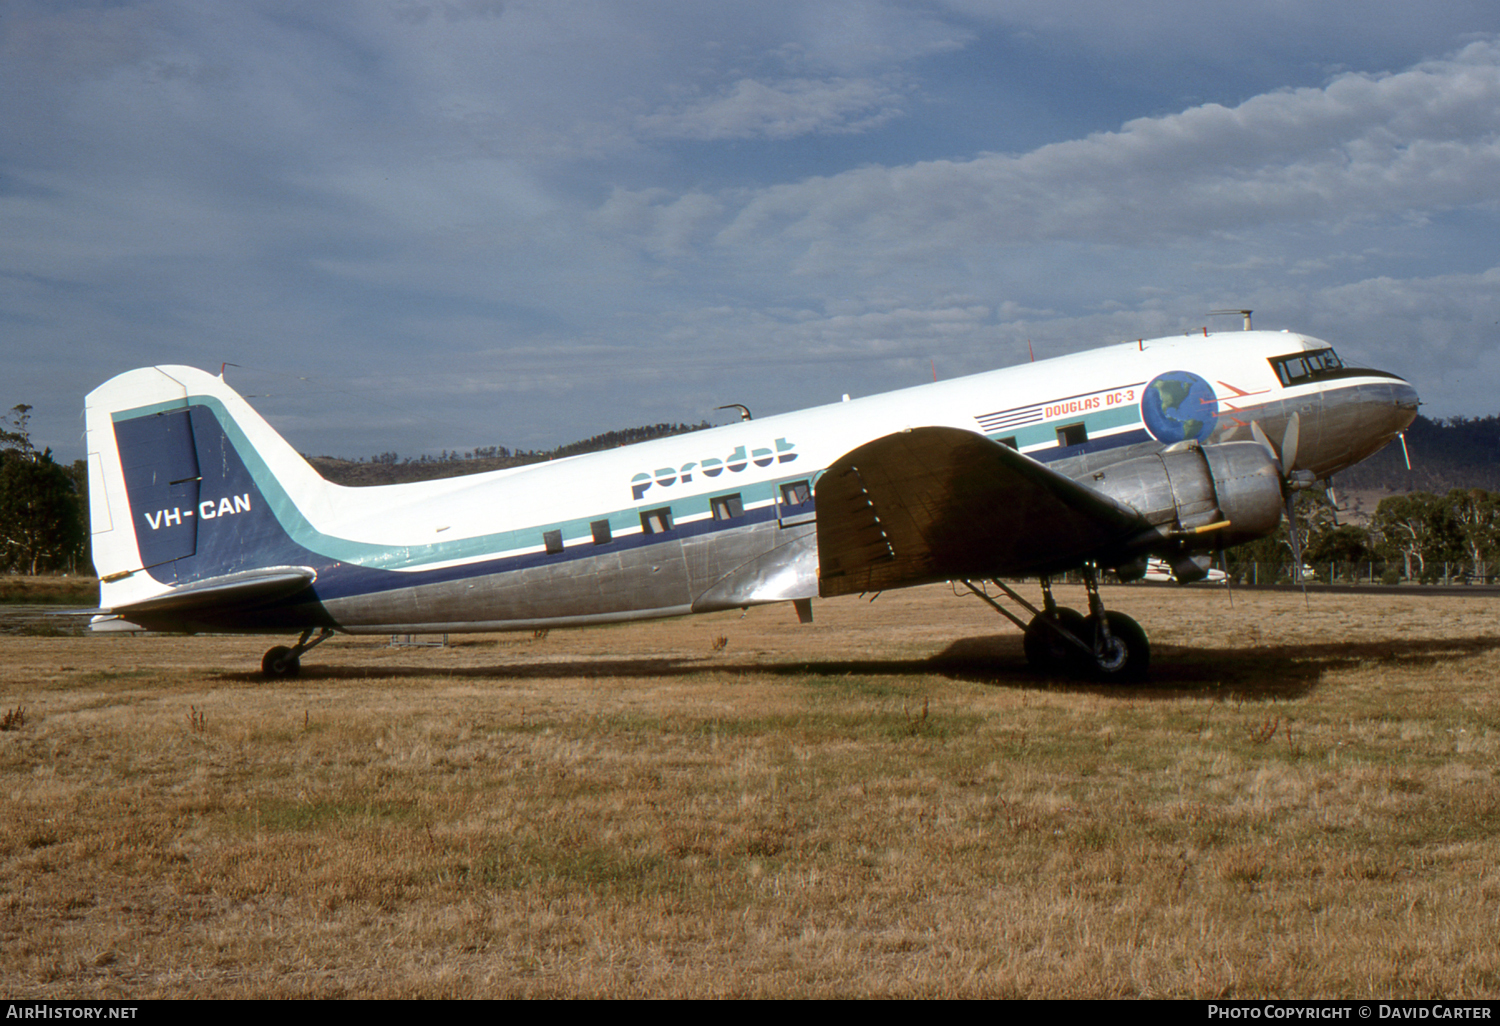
x=1370 y=572
x=1374 y=573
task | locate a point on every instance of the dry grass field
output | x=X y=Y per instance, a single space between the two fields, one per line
x=1303 y=802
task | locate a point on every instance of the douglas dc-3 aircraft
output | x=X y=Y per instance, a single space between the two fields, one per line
x=204 y=519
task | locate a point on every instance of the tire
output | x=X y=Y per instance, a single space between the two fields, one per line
x=280 y=663
x=1048 y=652
x=1127 y=657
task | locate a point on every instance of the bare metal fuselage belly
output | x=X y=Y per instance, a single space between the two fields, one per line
x=756 y=563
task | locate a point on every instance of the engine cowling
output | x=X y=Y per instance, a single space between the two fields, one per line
x=1191 y=486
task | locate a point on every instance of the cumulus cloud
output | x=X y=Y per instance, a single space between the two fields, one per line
x=1363 y=146
x=1444 y=314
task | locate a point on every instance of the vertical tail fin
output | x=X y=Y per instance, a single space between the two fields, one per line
x=187 y=483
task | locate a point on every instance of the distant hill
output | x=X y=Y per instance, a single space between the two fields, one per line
x=389 y=468
x=1462 y=452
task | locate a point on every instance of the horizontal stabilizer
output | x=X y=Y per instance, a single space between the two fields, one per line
x=224 y=593
x=938 y=503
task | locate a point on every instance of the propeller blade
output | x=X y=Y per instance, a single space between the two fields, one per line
x=1294 y=536
x=1260 y=436
x=1289 y=443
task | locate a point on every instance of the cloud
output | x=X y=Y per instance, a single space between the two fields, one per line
x=1444 y=315
x=417 y=12
x=656 y=204
x=780 y=110
x=1363 y=146
x=663 y=222
x=859 y=332
x=1236 y=33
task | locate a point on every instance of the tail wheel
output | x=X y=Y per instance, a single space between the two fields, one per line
x=1048 y=651
x=280 y=662
x=1123 y=657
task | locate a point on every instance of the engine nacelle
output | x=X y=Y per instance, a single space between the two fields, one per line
x=1190 y=486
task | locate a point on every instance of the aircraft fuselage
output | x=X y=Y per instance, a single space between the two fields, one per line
x=714 y=519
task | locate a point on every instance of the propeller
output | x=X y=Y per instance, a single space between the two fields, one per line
x=1286 y=458
x=1292 y=481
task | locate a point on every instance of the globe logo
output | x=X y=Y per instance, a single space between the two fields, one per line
x=1179 y=406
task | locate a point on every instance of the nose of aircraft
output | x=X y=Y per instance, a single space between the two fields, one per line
x=1404 y=402
x=1384 y=409
x=1355 y=420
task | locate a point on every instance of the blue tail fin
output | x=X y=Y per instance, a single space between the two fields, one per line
x=187 y=484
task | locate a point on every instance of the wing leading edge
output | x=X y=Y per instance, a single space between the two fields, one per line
x=936 y=503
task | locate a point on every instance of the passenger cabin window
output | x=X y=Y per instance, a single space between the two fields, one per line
x=656 y=521
x=1301 y=368
x=553 y=541
x=601 y=531
x=1072 y=434
x=727 y=507
x=796 y=505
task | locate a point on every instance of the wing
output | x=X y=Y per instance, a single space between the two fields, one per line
x=936 y=504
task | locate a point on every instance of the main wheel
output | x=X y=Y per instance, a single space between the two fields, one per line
x=279 y=662
x=1125 y=656
x=1047 y=651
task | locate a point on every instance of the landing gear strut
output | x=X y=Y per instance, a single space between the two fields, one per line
x=282 y=661
x=1104 y=645
x=1120 y=650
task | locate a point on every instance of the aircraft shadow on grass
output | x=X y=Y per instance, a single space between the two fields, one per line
x=1268 y=672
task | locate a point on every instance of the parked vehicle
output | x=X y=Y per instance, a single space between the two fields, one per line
x=1158 y=570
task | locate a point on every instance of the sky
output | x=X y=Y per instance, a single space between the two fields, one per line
x=427 y=225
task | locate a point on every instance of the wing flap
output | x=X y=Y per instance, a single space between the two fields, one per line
x=936 y=503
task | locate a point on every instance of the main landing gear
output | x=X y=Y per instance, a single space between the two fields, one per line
x=282 y=661
x=1104 y=645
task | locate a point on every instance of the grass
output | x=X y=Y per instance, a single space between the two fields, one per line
x=1302 y=803
x=49 y=590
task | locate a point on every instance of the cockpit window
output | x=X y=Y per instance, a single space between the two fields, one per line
x=1300 y=368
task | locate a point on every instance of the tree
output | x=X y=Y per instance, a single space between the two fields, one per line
x=1475 y=514
x=1318 y=534
x=41 y=523
x=1343 y=544
x=1419 y=531
x=19 y=439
